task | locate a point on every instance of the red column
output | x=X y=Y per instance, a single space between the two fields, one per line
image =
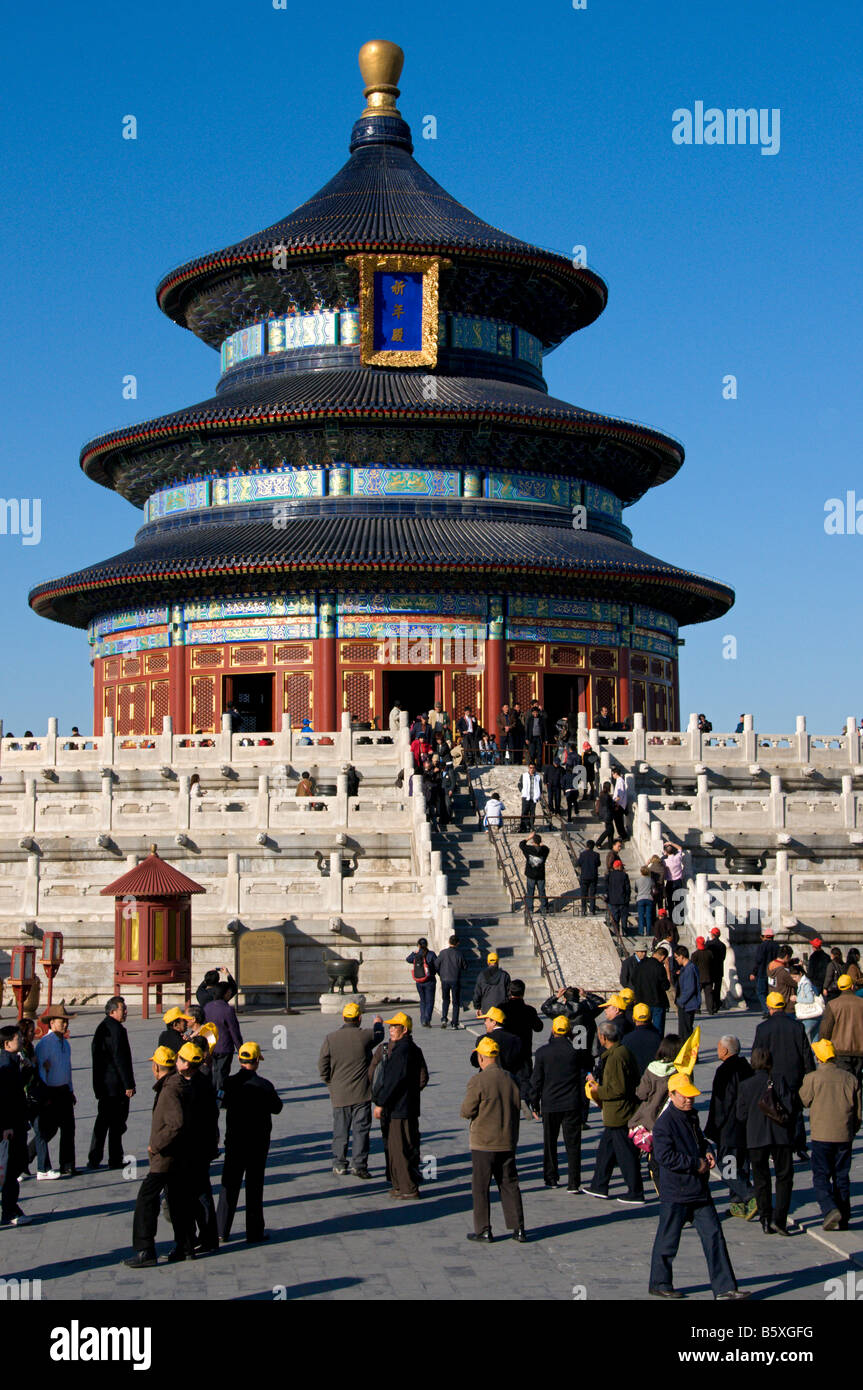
x=179 y=678
x=674 y=721
x=326 y=702
x=98 y=698
x=623 y=695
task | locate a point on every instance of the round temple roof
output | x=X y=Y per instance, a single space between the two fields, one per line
x=256 y=555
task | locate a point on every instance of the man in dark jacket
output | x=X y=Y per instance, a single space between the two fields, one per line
x=220 y=1012
x=13 y=1126
x=717 y=949
x=630 y=966
x=816 y=967
x=397 y=1104
x=588 y=875
x=451 y=965
x=509 y=1045
x=618 y=892
x=764 y=953
x=642 y=1040
x=344 y=1065
x=523 y=1020
x=684 y=1163
x=535 y=854
x=650 y=983
x=615 y=1092
x=727 y=1132
x=536 y=733
x=249 y=1103
x=784 y=1037
x=582 y=1018
x=113 y=1084
x=557 y=1095
x=552 y=775
x=201 y=1110
x=169 y=1169
x=205 y=992
x=703 y=961
x=687 y=992
x=492 y=986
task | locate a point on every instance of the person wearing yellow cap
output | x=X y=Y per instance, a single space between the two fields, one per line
x=168 y=1171
x=398 y=1073
x=492 y=986
x=684 y=1162
x=557 y=1095
x=842 y=1023
x=249 y=1103
x=832 y=1096
x=492 y=1105
x=343 y=1064
x=615 y=1092
x=509 y=1045
x=176 y=1022
x=642 y=1040
x=784 y=1037
x=202 y=1116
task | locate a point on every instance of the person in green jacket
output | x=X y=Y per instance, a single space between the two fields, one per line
x=616 y=1094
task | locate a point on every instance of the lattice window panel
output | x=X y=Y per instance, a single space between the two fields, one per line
x=657 y=668
x=358 y=694
x=157 y=663
x=248 y=656
x=523 y=651
x=466 y=693
x=602 y=659
x=359 y=651
x=203 y=703
x=111 y=668
x=208 y=656
x=638 y=663
x=523 y=688
x=567 y=656
x=109 y=701
x=160 y=704
x=293 y=651
x=639 y=697
x=605 y=693
x=132 y=709
x=133 y=666
x=659 y=703
x=298 y=701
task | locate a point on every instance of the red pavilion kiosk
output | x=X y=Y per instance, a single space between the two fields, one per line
x=152 y=928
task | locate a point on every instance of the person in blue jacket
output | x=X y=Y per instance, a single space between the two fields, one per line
x=684 y=1162
x=688 y=992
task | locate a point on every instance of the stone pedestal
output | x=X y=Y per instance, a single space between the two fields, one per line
x=334 y=1003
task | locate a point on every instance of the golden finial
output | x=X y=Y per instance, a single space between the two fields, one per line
x=381 y=64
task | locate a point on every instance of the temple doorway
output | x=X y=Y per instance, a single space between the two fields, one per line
x=561 y=698
x=416 y=690
x=251 y=696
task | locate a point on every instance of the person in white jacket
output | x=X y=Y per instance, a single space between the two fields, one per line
x=530 y=786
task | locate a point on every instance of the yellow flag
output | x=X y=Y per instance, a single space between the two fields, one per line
x=688 y=1054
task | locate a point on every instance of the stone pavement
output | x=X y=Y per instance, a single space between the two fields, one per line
x=340 y=1238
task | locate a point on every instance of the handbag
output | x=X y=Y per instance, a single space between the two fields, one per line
x=812 y=1010
x=642 y=1139
x=772 y=1107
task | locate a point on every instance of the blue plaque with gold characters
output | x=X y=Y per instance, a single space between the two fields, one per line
x=398 y=303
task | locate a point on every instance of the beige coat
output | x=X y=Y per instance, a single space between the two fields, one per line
x=842 y=1023
x=492 y=1104
x=833 y=1098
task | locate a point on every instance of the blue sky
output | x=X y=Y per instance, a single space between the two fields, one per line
x=553 y=123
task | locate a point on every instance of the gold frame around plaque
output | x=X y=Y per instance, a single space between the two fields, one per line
x=430 y=267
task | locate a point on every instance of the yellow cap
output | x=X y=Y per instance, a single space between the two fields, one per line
x=496 y=1014
x=173 y=1014
x=250 y=1052
x=190 y=1052
x=587 y=1090
x=616 y=1001
x=210 y=1033
x=824 y=1049
x=561 y=1024
x=682 y=1085
x=487 y=1047
x=351 y=1010
x=399 y=1020
x=492 y=957
x=775 y=1000
x=640 y=1013
x=627 y=995
x=845 y=982
x=164 y=1057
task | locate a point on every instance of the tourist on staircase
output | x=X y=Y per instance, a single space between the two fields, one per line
x=530 y=789
x=602 y=809
x=619 y=803
x=644 y=901
x=618 y=892
x=535 y=854
x=588 y=877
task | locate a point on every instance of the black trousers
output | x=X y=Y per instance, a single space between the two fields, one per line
x=616 y=1149
x=501 y=1167
x=16 y=1162
x=716 y=987
x=111 y=1115
x=175 y=1184
x=247 y=1161
x=570 y=1122
x=221 y=1069
x=783 y=1162
x=56 y=1112
x=528 y=814
x=685 y=1023
x=470 y=744
x=203 y=1205
x=588 y=896
x=618 y=815
x=450 y=990
x=672 y=1217
x=607 y=834
x=554 y=798
x=534 y=750
x=707 y=996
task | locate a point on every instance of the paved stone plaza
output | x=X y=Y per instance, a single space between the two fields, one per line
x=340 y=1238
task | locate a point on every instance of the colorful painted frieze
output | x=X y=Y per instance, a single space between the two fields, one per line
x=291 y=628
x=527 y=606
x=650 y=617
x=288 y=605
x=403 y=482
x=121 y=646
x=513 y=487
x=461 y=605
x=132 y=617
